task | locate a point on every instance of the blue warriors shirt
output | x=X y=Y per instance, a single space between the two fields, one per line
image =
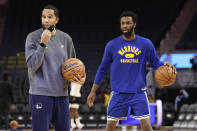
x=127 y=62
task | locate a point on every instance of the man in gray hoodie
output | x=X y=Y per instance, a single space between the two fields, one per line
x=46 y=50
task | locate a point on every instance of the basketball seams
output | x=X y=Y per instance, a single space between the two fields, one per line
x=165 y=81
x=73 y=59
x=172 y=74
x=71 y=67
x=65 y=71
x=169 y=77
x=73 y=71
x=163 y=76
x=160 y=80
x=67 y=77
x=167 y=72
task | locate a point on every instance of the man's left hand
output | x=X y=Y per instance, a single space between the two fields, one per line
x=170 y=66
x=78 y=79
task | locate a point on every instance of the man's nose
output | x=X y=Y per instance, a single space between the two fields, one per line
x=46 y=19
x=124 y=26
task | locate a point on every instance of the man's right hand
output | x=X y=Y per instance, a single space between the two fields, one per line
x=92 y=95
x=78 y=79
x=45 y=37
x=90 y=99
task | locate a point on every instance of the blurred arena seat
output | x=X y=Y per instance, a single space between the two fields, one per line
x=94 y=116
x=168 y=113
x=187 y=117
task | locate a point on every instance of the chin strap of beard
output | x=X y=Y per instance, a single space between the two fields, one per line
x=51 y=28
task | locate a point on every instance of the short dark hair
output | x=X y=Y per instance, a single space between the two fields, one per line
x=52 y=7
x=130 y=14
x=5 y=76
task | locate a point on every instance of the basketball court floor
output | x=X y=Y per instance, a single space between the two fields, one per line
x=119 y=129
x=116 y=130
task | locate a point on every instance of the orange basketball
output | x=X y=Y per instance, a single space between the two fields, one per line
x=165 y=76
x=71 y=67
x=13 y=124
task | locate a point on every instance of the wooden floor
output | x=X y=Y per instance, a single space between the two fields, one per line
x=96 y=130
x=123 y=129
x=120 y=129
x=136 y=130
x=104 y=130
x=116 y=130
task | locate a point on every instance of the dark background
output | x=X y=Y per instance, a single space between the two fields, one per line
x=99 y=18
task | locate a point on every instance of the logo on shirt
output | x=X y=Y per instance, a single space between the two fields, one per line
x=62 y=46
x=129 y=52
x=39 y=106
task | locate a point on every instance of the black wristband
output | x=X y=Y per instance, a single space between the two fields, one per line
x=42 y=44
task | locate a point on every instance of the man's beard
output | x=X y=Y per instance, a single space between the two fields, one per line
x=51 y=28
x=129 y=33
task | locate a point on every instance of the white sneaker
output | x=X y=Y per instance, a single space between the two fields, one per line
x=80 y=126
x=73 y=126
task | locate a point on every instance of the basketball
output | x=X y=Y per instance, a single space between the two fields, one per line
x=71 y=67
x=165 y=76
x=13 y=124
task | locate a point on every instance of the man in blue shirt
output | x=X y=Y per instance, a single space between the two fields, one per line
x=126 y=55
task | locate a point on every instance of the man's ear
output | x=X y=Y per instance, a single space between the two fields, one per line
x=57 y=20
x=135 y=25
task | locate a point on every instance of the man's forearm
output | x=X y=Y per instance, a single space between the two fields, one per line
x=94 y=88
